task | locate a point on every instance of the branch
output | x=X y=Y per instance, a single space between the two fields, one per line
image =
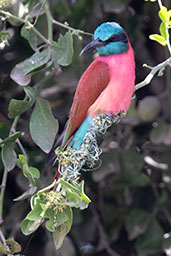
x=159 y=68
x=3 y=186
x=75 y=31
x=25 y=21
x=160 y=4
x=104 y=242
x=49 y=20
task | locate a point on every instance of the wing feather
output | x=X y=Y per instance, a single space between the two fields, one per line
x=92 y=83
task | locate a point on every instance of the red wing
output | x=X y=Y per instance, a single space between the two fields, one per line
x=92 y=83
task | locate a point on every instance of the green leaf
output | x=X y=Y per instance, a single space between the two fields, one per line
x=164 y=15
x=72 y=198
x=62 y=51
x=30 y=92
x=75 y=194
x=35 y=172
x=56 y=218
x=11 y=138
x=29 y=35
x=37 y=212
x=18 y=76
x=43 y=126
x=8 y=156
x=13 y=245
x=24 y=166
x=26 y=194
x=31 y=173
x=158 y=38
x=161 y=134
x=63 y=229
x=82 y=193
x=36 y=61
x=17 y=107
x=23 y=159
x=136 y=223
x=28 y=226
x=70 y=186
x=35 y=5
x=4 y=249
x=163 y=30
x=151 y=241
x=131 y=165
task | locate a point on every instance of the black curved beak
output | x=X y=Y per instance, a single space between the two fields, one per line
x=94 y=44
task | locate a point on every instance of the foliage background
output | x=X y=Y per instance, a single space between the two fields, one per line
x=130 y=210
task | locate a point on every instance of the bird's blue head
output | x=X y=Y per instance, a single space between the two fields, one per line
x=109 y=39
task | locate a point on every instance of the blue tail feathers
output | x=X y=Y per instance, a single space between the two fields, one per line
x=79 y=135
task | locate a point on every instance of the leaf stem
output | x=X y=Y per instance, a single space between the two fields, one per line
x=5 y=174
x=3 y=186
x=159 y=68
x=168 y=41
x=25 y=21
x=38 y=33
x=49 y=20
x=75 y=31
x=14 y=124
x=2 y=237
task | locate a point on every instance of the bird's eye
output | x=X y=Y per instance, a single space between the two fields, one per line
x=112 y=38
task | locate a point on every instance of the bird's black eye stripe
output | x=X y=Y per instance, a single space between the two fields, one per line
x=116 y=38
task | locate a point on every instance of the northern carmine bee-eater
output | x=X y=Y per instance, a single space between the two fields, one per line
x=105 y=87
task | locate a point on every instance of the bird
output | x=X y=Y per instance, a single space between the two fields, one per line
x=106 y=86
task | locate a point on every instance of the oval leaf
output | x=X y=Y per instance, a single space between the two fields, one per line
x=29 y=35
x=17 y=107
x=164 y=15
x=43 y=126
x=36 y=61
x=151 y=241
x=163 y=30
x=62 y=51
x=63 y=229
x=158 y=38
x=11 y=138
x=18 y=76
x=28 y=226
x=8 y=156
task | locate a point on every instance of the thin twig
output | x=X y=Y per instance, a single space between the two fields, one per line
x=22 y=148
x=103 y=236
x=160 y=4
x=159 y=68
x=76 y=31
x=28 y=23
x=3 y=186
x=5 y=174
x=49 y=20
x=2 y=237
